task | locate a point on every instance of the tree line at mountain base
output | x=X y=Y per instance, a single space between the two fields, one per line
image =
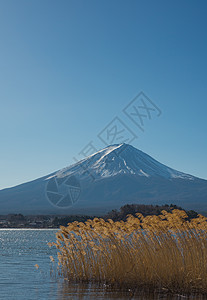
x=121 y=214
x=54 y=221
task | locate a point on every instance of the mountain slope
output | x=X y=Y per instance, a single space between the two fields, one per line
x=121 y=159
x=111 y=177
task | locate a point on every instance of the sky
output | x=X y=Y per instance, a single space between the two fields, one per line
x=70 y=71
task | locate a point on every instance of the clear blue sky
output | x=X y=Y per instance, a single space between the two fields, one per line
x=67 y=68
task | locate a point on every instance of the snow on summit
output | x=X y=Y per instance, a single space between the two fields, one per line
x=120 y=159
x=108 y=179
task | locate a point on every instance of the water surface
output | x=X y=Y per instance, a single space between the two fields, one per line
x=21 y=249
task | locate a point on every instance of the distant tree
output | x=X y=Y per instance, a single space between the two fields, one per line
x=192 y=214
x=145 y=210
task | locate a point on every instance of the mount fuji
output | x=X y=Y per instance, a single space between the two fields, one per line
x=106 y=180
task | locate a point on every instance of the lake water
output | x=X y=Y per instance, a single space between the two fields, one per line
x=21 y=249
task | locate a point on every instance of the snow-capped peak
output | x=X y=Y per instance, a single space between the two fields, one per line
x=120 y=159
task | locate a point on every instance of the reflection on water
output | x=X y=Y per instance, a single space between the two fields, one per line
x=93 y=292
x=21 y=249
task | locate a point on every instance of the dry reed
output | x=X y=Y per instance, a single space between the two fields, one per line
x=166 y=252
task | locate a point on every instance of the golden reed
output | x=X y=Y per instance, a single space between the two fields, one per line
x=165 y=252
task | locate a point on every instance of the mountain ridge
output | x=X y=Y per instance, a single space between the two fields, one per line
x=108 y=179
x=120 y=153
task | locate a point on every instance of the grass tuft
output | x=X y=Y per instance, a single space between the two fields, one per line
x=166 y=252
